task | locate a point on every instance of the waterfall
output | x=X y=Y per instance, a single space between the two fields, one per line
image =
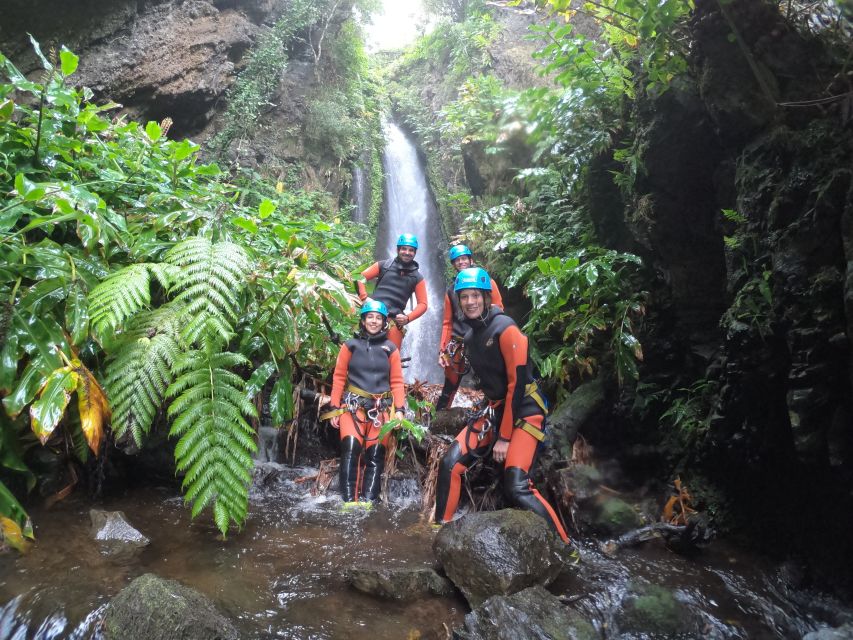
x=409 y=208
x=360 y=191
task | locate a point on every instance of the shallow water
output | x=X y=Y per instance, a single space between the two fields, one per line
x=282 y=576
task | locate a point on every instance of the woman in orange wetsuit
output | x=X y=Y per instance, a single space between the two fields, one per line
x=396 y=280
x=451 y=355
x=367 y=381
x=511 y=423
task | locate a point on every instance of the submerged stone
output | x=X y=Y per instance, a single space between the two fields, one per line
x=399 y=583
x=531 y=613
x=653 y=611
x=153 y=608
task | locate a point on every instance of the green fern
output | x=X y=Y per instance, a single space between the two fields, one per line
x=139 y=373
x=216 y=443
x=123 y=294
x=208 y=283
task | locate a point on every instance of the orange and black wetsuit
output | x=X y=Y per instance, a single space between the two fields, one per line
x=453 y=328
x=395 y=284
x=515 y=412
x=367 y=380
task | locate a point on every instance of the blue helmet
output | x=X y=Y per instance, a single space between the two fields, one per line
x=407 y=240
x=457 y=251
x=374 y=305
x=472 y=278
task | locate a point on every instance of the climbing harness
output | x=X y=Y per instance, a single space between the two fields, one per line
x=373 y=406
x=479 y=421
x=455 y=351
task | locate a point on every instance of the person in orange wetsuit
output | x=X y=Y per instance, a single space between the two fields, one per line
x=396 y=280
x=367 y=382
x=511 y=421
x=451 y=354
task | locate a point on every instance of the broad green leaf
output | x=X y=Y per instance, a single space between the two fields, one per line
x=259 y=378
x=68 y=61
x=245 y=223
x=8 y=363
x=29 y=383
x=265 y=209
x=7 y=108
x=153 y=131
x=77 y=314
x=281 y=397
x=47 y=411
x=40 y=336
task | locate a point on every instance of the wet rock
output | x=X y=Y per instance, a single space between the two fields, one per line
x=531 y=613
x=116 y=537
x=844 y=632
x=653 y=611
x=498 y=552
x=157 y=609
x=399 y=583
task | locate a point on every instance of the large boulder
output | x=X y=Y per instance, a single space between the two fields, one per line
x=157 y=609
x=531 y=613
x=399 y=583
x=115 y=536
x=499 y=553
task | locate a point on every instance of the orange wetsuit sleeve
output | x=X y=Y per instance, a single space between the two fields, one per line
x=446 y=324
x=497 y=300
x=421 y=297
x=368 y=274
x=398 y=391
x=339 y=377
x=513 y=346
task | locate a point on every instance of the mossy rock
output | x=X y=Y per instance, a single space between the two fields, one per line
x=652 y=611
x=615 y=517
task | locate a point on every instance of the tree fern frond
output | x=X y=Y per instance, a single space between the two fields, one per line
x=121 y=295
x=139 y=372
x=208 y=282
x=209 y=413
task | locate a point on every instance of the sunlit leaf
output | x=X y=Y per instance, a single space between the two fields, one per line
x=68 y=61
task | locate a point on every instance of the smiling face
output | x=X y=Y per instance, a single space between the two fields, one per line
x=373 y=322
x=462 y=262
x=406 y=253
x=472 y=302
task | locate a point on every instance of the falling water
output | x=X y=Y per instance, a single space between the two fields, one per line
x=409 y=208
x=360 y=192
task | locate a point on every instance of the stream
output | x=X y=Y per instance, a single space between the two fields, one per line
x=283 y=575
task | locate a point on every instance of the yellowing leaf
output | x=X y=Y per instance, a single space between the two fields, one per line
x=47 y=411
x=279 y=187
x=13 y=536
x=94 y=408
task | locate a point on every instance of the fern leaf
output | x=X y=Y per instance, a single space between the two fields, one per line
x=209 y=411
x=208 y=281
x=139 y=372
x=122 y=295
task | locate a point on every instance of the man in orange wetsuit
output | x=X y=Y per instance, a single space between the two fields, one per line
x=451 y=355
x=367 y=381
x=396 y=280
x=511 y=422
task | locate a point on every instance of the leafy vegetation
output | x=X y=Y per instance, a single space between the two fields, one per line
x=130 y=266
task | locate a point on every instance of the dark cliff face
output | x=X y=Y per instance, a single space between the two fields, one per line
x=156 y=58
x=760 y=303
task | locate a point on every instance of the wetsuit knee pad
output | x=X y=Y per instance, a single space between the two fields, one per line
x=516 y=486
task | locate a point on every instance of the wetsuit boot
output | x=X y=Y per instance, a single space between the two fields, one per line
x=520 y=493
x=374 y=464
x=448 y=392
x=348 y=468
